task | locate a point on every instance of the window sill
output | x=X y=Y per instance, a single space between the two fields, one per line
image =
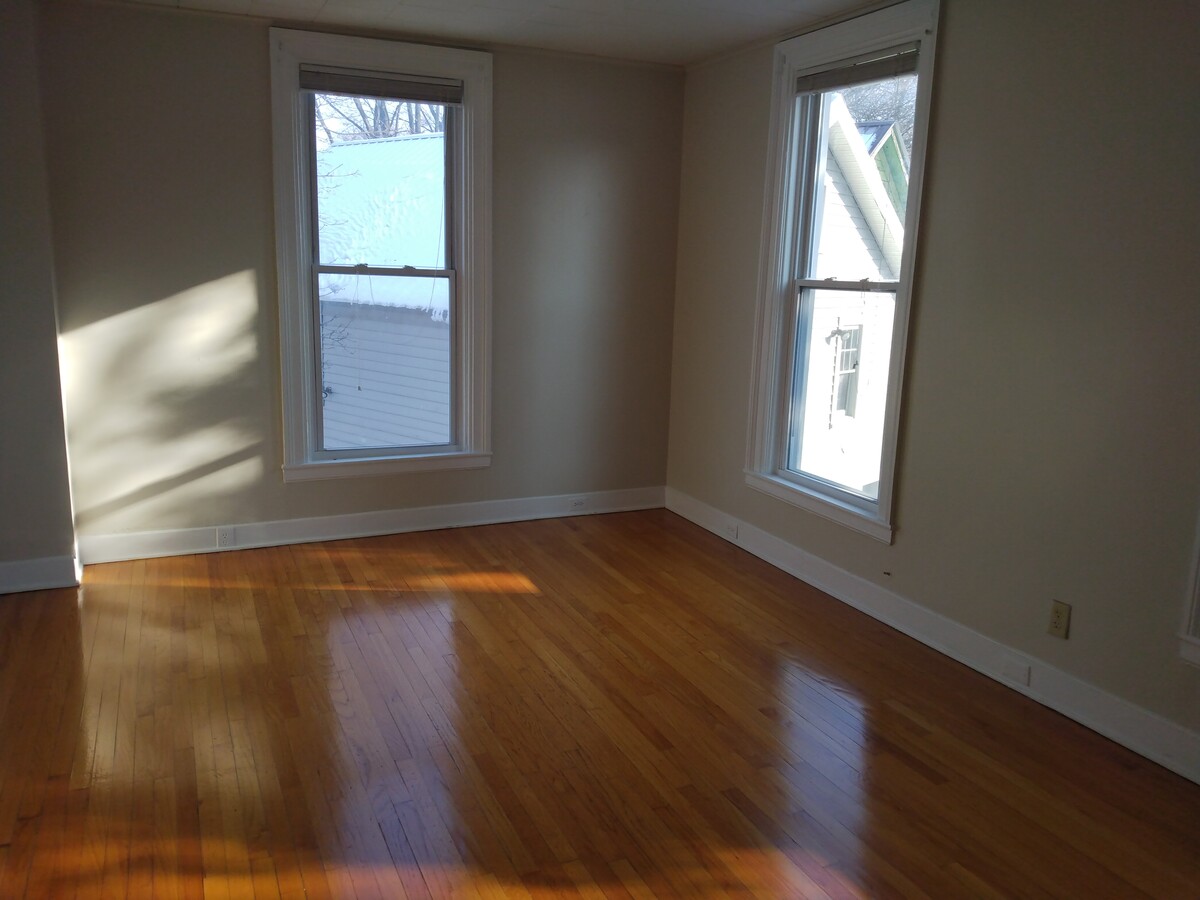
x=320 y=470
x=823 y=505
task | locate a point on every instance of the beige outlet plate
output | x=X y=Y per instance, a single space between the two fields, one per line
x=1060 y=619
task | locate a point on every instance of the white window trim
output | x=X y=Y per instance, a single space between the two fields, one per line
x=472 y=336
x=912 y=21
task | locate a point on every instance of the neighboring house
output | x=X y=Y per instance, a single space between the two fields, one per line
x=887 y=148
x=385 y=340
x=861 y=237
x=386 y=375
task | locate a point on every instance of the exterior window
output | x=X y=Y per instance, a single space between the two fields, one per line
x=382 y=153
x=848 y=138
x=848 y=341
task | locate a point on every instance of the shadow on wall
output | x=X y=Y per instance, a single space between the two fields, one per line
x=162 y=409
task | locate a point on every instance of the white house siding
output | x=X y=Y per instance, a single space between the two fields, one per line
x=386 y=376
x=847 y=249
x=867 y=193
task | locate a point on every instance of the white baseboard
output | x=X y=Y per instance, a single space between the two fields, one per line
x=1146 y=733
x=146 y=544
x=38 y=574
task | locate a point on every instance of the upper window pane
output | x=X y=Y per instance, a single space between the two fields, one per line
x=381 y=181
x=861 y=179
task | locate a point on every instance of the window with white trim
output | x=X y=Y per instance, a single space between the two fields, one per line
x=847 y=157
x=382 y=182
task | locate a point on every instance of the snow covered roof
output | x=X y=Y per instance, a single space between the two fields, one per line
x=382 y=202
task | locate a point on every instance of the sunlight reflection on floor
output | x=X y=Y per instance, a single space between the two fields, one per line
x=482 y=582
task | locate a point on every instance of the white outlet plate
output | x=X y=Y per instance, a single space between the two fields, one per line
x=578 y=503
x=224 y=536
x=730 y=531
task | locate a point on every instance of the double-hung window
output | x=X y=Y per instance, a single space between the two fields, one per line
x=382 y=159
x=848 y=139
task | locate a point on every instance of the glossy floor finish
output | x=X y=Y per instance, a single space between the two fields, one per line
x=618 y=706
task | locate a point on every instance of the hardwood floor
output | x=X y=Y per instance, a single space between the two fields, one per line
x=619 y=706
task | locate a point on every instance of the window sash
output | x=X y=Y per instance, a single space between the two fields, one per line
x=403 y=93
x=813 y=118
x=831 y=284
x=450 y=150
x=793 y=400
x=319 y=451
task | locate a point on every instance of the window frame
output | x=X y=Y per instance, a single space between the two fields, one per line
x=784 y=228
x=304 y=458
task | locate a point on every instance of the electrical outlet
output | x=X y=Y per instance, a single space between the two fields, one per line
x=224 y=537
x=578 y=503
x=1060 y=619
x=729 y=530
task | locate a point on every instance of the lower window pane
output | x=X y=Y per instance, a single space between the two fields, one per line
x=385 y=361
x=841 y=388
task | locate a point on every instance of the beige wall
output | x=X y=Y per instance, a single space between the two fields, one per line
x=1051 y=432
x=34 y=493
x=158 y=133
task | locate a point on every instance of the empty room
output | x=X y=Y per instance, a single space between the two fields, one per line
x=657 y=448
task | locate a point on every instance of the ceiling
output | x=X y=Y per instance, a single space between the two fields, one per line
x=672 y=32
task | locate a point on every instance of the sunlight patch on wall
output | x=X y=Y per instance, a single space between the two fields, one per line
x=158 y=399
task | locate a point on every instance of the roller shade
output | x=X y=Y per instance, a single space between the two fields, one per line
x=382 y=85
x=897 y=61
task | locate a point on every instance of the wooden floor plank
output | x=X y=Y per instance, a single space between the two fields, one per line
x=605 y=706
